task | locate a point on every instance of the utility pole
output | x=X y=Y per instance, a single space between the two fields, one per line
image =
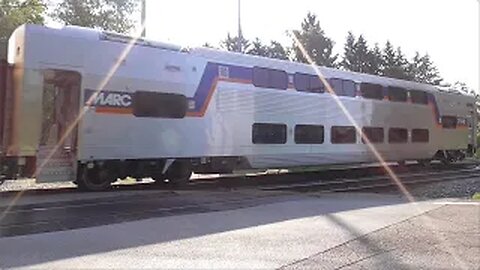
x=144 y=14
x=239 y=36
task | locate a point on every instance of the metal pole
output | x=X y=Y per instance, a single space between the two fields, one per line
x=239 y=36
x=144 y=14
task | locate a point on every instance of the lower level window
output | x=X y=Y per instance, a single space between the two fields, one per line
x=398 y=135
x=343 y=134
x=308 y=134
x=420 y=135
x=267 y=133
x=374 y=134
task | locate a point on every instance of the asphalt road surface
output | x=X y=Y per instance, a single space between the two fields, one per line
x=335 y=231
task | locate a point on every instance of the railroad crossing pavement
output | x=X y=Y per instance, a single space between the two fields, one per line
x=356 y=231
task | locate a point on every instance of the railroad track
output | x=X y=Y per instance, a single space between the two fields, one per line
x=377 y=182
x=208 y=195
x=248 y=181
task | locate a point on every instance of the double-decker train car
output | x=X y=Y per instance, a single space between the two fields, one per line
x=88 y=106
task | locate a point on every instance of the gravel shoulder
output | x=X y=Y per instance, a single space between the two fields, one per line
x=445 y=238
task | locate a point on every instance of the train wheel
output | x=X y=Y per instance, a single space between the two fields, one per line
x=446 y=161
x=159 y=179
x=95 y=179
x=179 y=173
x=424 y=162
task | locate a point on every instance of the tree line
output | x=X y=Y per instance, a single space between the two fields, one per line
x=116 y=15
x=358 y=55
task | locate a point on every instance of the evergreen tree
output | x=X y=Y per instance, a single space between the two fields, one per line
x=276 y=50
x=388 y=60
x=424 y=71
x=207 y=45
x=375 y=60
x=257 y=48
x=362 y=56
x=231 y=44
x=110 y=15
x=348 y=61
x=395 y=65
x=317 y=45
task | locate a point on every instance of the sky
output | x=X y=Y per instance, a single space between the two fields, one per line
x=446 y=29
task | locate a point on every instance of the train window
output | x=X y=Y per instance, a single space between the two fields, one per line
x=397 y=94
x=267 y=133
x=337 y=86
x=449 y=122
x=316 y=85
x=270 y=78
x=278 y=79
x=261 y=77
x=374 y=134
x=349 y=88
x=161 y=105
x=398 y=135
x=308 y=82
x=371 y=91
x=302 y=81
x=309 y=134
x=343 y=134
x=418 y=97
x=420 y=135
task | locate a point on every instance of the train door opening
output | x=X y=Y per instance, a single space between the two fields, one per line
x=57 y=152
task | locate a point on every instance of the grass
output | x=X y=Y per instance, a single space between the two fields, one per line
x=476 y=196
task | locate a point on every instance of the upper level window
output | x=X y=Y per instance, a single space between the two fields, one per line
x=309 y=134
x=270 y=78
x=418 y=97
x=301 y=81
x=374 y=134
x=267 y=133
x=161 y=105
x=316 y=85
x=308 y=82
x=349 y=88
x=343 y=87
x=449 y=122
x=397 y=135
x=337 y=86
x=420 y=135
x=371 y=91
x=343 y=134
x=397 y=94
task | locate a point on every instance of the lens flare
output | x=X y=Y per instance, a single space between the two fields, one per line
x=81 y=114
x=372 y=148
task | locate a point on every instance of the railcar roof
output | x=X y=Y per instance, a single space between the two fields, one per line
x=238 y=58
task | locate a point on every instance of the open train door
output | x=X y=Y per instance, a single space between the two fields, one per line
x=57 y=152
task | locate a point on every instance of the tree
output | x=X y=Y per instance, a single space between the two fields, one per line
x=110 y=15
x=349 y=58
x=317 y=45
x=376 y=60
x=276 y=50
x=362 y=55
x=423 y=70
x=462 y=87
x=207 y=45
x=232 y=44
x=395 y=64
x=14 y=13
x=257 y=48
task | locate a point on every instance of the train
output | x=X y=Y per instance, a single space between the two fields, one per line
x=91 y=107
